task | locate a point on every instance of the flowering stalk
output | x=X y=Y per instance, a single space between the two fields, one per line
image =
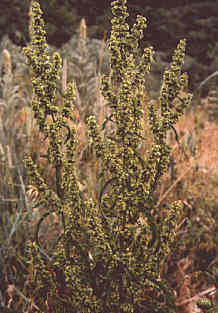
x=106 y=260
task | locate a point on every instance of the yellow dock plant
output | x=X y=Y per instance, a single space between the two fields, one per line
x=106 y=260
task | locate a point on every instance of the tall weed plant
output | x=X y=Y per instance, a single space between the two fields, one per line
x=111 y=252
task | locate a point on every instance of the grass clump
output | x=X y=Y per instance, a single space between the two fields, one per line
x=111 y=252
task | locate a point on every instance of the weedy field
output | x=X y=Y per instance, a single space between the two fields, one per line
x=190 y=269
